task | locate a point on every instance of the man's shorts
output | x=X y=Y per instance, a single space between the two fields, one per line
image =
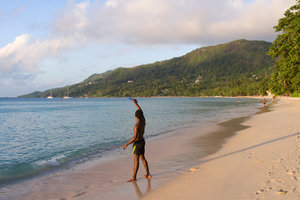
x=139 y=147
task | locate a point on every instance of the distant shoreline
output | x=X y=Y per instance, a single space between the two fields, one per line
x=153 y=97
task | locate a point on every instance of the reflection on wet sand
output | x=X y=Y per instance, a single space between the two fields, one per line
x=139 y=194
x=211 y=143
x=267 y=107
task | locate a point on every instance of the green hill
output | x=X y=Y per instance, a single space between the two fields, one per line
x=236 y=68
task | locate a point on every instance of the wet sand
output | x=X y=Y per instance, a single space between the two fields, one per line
x=169 y=156
x=259 y=162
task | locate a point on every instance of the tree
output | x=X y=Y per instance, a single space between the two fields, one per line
x=285 y=48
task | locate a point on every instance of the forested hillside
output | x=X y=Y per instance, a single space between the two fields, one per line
x=236 y=68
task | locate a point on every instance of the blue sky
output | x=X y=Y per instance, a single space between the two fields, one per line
x=46 y=44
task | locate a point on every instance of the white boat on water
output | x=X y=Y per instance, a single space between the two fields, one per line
x=67 y=97
x=50 y=97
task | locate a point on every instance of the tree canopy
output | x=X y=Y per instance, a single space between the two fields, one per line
x=237 y=68
x=286 y=77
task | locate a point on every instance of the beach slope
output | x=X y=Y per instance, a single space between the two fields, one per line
x=260 y=162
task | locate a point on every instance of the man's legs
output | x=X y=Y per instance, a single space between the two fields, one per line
x=135 y=167
x=148 y=175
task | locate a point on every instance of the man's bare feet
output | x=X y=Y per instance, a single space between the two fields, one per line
x=148 y=176
x=131 y=180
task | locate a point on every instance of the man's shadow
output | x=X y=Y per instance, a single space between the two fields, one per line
x=139 y=194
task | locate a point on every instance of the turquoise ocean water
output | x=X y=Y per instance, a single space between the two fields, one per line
x=38 y=135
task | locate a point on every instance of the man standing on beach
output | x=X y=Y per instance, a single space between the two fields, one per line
x=264 y=101
x=138 y=143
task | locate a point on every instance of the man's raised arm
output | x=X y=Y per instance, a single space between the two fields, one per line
x=136 y=104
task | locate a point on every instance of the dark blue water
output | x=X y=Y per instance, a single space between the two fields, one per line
x=40 y=134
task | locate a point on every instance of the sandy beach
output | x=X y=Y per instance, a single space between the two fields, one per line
x=106 y=178
x=259 y=162
x=256 y=157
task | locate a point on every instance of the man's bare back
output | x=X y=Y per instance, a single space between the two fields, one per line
x=139 y=128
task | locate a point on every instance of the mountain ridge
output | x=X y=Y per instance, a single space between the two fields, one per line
x=239 y=67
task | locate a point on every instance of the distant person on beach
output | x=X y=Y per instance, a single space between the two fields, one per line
x=264 y=101
x=138 y=143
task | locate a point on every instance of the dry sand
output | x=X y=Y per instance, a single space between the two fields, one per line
x=260 y=162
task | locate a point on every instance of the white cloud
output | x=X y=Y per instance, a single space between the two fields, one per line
x=21 y=58
x=113 y=3
x=143 y=22
x=171 y=22
x=185 y=21
x=236 y=3
x=23 y=55
x=255 y=21
x=72 y=21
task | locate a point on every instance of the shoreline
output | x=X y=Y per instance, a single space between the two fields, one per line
x=106 y=155
x=92 y=179
x=107 y=179
x=255 y=96
x=260 y=162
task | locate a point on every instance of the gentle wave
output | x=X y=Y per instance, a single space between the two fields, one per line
x=54 y=161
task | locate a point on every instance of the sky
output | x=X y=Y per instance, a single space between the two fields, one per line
x=48 y=44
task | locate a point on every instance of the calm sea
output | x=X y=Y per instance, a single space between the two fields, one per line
x=41 y=134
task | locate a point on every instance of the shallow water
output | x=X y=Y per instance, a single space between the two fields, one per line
x=40 y=134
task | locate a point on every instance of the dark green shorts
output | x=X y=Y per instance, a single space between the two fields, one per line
x=139 y=147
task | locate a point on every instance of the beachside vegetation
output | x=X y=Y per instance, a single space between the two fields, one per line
x=285 y=49
x=238 y=68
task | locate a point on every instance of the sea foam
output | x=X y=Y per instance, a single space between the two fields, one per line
x=54 y=161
